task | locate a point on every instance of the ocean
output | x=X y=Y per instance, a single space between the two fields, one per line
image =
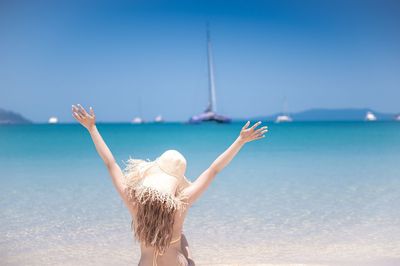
x=325 y=193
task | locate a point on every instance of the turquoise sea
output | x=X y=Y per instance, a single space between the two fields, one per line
x=309 y=193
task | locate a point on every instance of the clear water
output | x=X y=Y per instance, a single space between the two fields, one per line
x=326 y=193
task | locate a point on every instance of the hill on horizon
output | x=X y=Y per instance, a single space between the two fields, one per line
x=9 y=117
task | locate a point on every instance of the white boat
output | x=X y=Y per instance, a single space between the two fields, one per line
x=137 y=120
x=284 y=116
x=53 y=120
x=370 y=116
x=283 y=119
x=397 y=118
x=158 y=119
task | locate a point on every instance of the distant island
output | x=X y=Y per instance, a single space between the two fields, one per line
x=321 y=114
x=9 y=117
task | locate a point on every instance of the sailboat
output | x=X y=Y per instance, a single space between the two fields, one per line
x=284 y=116
x=53 y=120
x=210 y=113
x=370 y=116
x=138 y=119
x=158 y=119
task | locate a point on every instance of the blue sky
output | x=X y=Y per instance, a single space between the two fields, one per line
x=129 y=58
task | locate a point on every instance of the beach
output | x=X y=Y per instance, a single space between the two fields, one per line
x=311 y=193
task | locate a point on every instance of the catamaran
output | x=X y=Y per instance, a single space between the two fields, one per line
x=210 y=113
x=284 y=116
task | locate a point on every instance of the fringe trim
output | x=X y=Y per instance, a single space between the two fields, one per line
x=135 y=170
x=143 y=194
x=133 y=177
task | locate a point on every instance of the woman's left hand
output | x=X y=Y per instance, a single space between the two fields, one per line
x=250 y=134
x=88 y=120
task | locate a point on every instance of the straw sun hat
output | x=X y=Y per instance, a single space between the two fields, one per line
x=160 y=180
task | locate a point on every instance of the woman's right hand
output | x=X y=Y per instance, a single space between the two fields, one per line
x=250 y=134
x=88 y=120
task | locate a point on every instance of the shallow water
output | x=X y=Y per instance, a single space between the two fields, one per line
x=323 y=193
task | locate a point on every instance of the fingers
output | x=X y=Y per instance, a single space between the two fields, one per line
x=246 y=125
x=77 y=116
x=76 y=109
x=82 y=110
x=259 y=133
x=261 y=129
x=252 y=133
x=79 y=112
x=255 y=125
x=91 y=111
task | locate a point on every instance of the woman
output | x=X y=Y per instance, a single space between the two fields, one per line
x=158 y=194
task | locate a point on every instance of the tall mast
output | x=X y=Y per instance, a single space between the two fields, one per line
x=212 y=101
x=285 y=106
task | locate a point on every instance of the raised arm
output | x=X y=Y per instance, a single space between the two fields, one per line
x=88 y=121
x=246 y=135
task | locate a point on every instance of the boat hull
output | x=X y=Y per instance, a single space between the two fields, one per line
x=208 y=117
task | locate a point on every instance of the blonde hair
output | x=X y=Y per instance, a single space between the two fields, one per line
x=155 y=222
x=155 y=210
